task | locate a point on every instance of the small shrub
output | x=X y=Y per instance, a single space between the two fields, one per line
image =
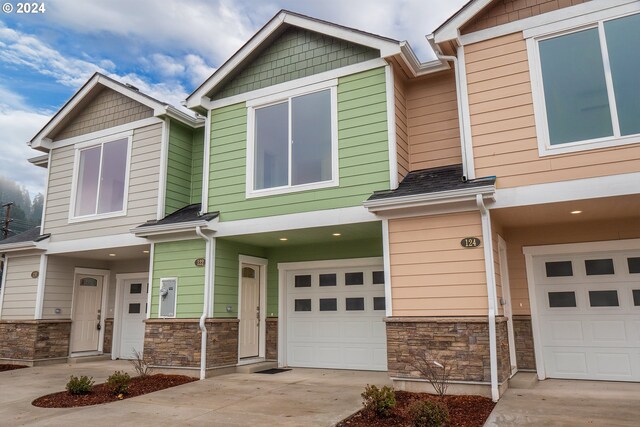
x=139 y=364
x=379 y=400
x=118 y=382
x=428 y=413
x=80 y=385
x=437 y=373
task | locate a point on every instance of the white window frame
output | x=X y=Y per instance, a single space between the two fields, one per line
x=277 y=98
x=79 y=147
x=539 y=104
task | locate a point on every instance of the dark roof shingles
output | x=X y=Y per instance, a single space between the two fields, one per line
x=31 y=235
x=186 y=214
x=434 y=180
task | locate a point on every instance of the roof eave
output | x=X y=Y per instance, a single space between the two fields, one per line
x=450 y=30
x=21 y=246
x=154 y=230
x=429 y=199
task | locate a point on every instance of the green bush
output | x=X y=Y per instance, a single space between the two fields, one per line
x=80 y=385
x=379 y=400
x=429 y=413
x=118 y=382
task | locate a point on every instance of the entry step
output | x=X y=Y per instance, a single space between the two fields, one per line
x=255 y=367
x=523 y=380
x=88 y=358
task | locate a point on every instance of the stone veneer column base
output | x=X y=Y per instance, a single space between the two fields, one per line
x=523 y=334
x=461 y=342
x=108 y=336
x=271 y=350
x=34 y=342
x=174 y=344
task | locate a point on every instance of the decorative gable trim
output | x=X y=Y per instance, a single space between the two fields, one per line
x=387 y=47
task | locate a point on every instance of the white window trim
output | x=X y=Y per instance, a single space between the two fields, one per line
x=76 y=165
x=282 y=97
x=539 y=104
x=175 y=302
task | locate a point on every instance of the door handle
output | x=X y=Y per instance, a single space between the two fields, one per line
x=98 y=326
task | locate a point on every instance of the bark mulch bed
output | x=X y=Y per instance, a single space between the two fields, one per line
x=11 y=367
x=101 y=393
x=464 y=411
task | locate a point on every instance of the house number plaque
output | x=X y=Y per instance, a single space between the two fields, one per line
x=470 y=242
x=199 y=262
x=35 y=274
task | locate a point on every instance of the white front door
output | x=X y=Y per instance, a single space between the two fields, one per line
x=134 y=312
x=249 y=311
x=589 y=315
x=335 y=318
x=86 y=313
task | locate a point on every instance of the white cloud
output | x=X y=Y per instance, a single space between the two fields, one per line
x=197 y=69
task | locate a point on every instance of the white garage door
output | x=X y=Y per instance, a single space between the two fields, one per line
x=589 y=315
x=335 y=318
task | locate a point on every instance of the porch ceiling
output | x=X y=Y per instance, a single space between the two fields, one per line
x=122 y=253
x=608 y=208
x=307 y=236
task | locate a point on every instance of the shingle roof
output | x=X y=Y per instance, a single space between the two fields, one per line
x=186 y=214
x=31 y=235
x=434 y=180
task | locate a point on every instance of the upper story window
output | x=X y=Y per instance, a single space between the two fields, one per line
x=292 y=142
x=589 y=86
x=100 y=178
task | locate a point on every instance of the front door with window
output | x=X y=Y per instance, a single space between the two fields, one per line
x=86 y=313
x=134 y=312
x=249 y=311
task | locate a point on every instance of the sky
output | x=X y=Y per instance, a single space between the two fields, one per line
x=165 y=48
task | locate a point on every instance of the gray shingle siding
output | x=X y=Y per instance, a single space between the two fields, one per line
x=295 y=54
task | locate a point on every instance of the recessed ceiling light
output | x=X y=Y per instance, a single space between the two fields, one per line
x=337 y=234
x=112 y=254
x=145 y=251
x=284 y=239
x=576 y=212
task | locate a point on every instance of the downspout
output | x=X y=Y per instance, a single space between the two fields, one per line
x=491 y=294
x=205 y=306
x=463 y=142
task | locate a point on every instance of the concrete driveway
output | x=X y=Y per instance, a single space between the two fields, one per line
x=569 y=403
x=300 y=397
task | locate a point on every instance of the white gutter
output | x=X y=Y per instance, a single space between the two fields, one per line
x=204 y=203
x=491 y=294
x=210 y=242
x=426 y=199
x=150 y=230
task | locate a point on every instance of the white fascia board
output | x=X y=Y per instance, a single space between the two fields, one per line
x=450 y=30
x=427 y=199
x=41 y=161
x=579 y=189
x=21 y=246
x=180 y=116
x=353 y=215
x=152 y=230
x=421 y=68
x=90 y=244
x=586 y=247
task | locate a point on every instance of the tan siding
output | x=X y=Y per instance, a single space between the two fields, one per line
x=594 y=231
x=503 y=123
x=432 y=275
x=505 y=11
x=496 y=231
x=20 y=293
x=142 y=198
x=402 y=140
x=432 y=122
x=107 y=109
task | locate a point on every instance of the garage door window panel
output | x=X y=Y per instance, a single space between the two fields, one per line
x=303 y=305
x=354 y=304
x=559 y=269
x=636 y=297
x=599 y=267
x=351 y=279
x=303 y=281
x=328 y=279
x=564 y=299
x=608 y=298
x=634 y=265
x=328 y=304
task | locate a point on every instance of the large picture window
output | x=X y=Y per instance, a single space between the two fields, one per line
x=590 y=84
x=101 y=179
x=292 y=143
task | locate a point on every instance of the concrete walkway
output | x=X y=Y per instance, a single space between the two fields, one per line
x=569 y=403
x=301 y=397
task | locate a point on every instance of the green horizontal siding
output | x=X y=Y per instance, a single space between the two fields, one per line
x=296 y=53
x=362 y=151
x=179 y=167
x=177 y=259
x=196 y=165
x=226 y=275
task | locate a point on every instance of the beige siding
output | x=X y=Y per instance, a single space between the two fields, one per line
x=594 y=231
x=432 y=122
x=107 y=109
x=142 y=198
x=503 y=123
x=496 y=230
x=20 y=293
x=431 y=274
x=402 y=140
x=505 y=11
x=58 y=288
